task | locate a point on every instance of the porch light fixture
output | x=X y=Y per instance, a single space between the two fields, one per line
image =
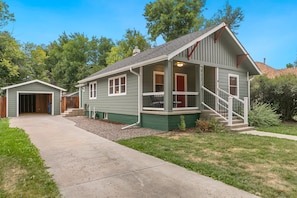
x=179 y=64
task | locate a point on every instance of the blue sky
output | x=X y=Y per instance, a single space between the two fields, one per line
x=269 y=29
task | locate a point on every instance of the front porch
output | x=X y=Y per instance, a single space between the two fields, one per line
x=171 y=86
x=169 y=91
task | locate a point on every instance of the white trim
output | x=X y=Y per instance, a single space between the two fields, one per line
x=237 y=82
x=154 y=79
x=93 y=90
x=185 y=83
x=33 y=81
x=113 y=84
x=36 y=92
x=185 y=108
x=153 y=109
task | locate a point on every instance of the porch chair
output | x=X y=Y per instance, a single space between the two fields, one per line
x=157 y=101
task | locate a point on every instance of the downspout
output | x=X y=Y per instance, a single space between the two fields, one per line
x=249 y=89
x=138 y=100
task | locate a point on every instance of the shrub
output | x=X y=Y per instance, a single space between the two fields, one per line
x=216 y=127
x=202 y=125
x=210 y=125
x=263 y=114
x=182 y=126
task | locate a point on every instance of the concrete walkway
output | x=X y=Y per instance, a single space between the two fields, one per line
x=268 y=134
x=86 y=165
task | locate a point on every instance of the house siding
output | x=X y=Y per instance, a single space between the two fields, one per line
x=167 y=122
x=122 y=104
x=213 y=53
x=243 y=83
x=34 y=87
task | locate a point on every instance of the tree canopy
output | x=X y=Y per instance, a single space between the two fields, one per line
x=11 y=59
x=124 y=47
x=5 y=15
x=73 y=57
x=232 y=17
x=173 y=18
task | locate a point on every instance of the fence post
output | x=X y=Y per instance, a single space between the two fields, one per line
x=246 y=110
x=230 y=110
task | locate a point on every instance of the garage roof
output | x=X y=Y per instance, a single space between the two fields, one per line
x=33 y=81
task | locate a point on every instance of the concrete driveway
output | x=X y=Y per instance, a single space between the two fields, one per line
x=86 y=165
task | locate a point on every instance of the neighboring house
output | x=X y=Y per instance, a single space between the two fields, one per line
x=154 y=88
x=33 y=97
x=272 y=73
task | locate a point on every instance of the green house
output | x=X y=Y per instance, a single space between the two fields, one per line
x=208 y=69
x=33 y=96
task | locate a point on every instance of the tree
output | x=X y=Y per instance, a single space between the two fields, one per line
x=71 y=60
x=105 y=45
x=5 y=15
x=124 y=47
x=232 y=17
x=11 y=59
x=280 y=92
x=75 y=56
x=35 y=62
x=289 y=65
x=173 y=18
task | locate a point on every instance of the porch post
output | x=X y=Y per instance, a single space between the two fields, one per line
x=201 y=73
x=168 y=86
x=230 y=110
x=246 y=110
x=197 y=86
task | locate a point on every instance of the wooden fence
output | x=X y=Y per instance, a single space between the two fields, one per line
x=2 y=107
x=69 y=102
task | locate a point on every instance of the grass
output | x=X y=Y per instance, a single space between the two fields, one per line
x=284 y=128
x=22 y=171
x=264 y=166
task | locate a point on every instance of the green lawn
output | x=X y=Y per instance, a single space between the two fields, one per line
x=264 y=166
x=284 y=128
x=22 y=171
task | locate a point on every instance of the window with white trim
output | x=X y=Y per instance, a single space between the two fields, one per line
x=117 y=85
x=158 y=81
x=233 y=83
x=93 y=90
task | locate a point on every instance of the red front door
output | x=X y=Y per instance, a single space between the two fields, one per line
x=180 y=85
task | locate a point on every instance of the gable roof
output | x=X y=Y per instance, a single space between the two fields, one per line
x=33 y=81
x=161 y=53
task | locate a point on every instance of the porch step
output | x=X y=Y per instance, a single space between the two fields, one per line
x=73 y=112
x=237 y=124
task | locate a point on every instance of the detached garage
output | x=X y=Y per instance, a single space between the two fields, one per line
x=33 y=97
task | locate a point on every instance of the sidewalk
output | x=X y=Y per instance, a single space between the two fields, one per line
x=86 y=165
x=268 y=134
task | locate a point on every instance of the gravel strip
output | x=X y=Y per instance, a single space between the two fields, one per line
x=111 y=131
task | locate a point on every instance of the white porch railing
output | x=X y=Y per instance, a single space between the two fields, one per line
x=181 y=100
x=225 y=105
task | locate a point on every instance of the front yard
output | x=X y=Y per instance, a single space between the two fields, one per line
x=264 y=166
x=288 y=128
x=22 y=171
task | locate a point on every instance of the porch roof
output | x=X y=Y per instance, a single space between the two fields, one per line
x=162 y=53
